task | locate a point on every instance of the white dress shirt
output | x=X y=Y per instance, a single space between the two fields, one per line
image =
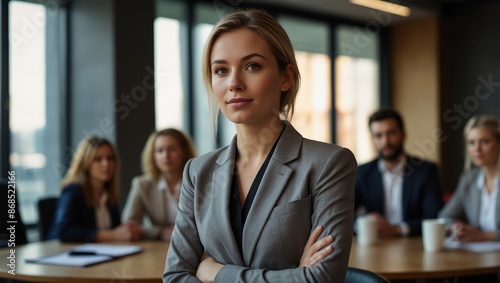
x=102 y=217
x=487 y=217
x=392 y=181
x=171 y=200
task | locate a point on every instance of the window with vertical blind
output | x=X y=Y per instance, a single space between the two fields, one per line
x=356 y=88
x=37 y=86
x=169 y=59
x=310 y=39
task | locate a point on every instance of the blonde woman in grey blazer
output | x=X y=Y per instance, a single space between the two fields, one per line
x=156 y=193
x=475 y=205
x=272 y=206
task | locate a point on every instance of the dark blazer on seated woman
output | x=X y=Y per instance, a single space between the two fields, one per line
x=74 y=220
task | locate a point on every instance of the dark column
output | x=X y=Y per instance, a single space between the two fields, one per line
x=135 y=115
x=4 y=88
x=111 y=66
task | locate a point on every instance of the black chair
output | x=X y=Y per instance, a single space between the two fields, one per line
x=10 y=193
x=46 y=210
x=356 y=275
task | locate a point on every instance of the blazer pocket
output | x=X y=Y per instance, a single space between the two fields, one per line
x=291 y=207
x=294 y=226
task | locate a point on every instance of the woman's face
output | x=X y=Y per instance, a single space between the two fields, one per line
x=245 y=77
x=168 y=154
x=482 y=147
x=103 y=165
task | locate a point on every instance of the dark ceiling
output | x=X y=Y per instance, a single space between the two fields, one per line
x=345 y=9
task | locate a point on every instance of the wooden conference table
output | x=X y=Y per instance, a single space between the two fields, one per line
x=405 y=258
x=144 y=267
x=401 y=258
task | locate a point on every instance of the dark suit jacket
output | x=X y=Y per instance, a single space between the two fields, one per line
x=422 y=196
x=74 y=220
x=307 y=183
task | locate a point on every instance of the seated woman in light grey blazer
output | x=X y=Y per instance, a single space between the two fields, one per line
x=272 y=206
x=475 y=206
x=156 y=193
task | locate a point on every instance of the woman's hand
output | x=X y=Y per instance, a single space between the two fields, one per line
x=315 y=251
x=208 y=269
x=466 y=233
x=127 y=232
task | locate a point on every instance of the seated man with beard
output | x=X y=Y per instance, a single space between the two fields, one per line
x=397 y=189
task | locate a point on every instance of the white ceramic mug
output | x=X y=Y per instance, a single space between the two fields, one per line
x=433 y=234
x=367 y=230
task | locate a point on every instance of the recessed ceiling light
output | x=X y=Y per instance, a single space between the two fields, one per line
x=384 y=6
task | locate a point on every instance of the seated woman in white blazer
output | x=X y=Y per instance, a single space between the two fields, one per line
x=156 y=193
x=253 y=211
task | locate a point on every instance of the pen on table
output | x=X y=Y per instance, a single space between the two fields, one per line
x=82 y=253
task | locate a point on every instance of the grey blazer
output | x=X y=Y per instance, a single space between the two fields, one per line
x=465 y=203
x=306 y=184
x=145 y=198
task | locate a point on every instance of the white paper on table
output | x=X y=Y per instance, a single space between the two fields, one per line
x=480 y=247
x=97 y=253
x=70 y=260
x=108 y=250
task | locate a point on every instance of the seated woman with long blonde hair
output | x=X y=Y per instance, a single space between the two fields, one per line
x=87 y=210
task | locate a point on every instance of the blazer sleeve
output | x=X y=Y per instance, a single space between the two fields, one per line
x=454 y=208
x=431 y=202
x=69 y=223
x=333 y=208
x=185 y=250
x=135 y=208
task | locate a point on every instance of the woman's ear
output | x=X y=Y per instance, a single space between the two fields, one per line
x=287 y=81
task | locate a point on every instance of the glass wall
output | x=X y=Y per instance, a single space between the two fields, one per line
x=356 y=88
x=169 y=90
x=28 y=102
x=310 y=40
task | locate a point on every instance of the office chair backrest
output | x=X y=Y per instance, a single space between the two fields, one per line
x=46 y=210
x=9 y=197
x=356 y=275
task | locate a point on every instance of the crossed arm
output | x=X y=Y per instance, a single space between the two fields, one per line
x=314 y=251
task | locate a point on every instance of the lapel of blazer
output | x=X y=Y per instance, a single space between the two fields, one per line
x=408 y=182
x=475 y=198
x=221 y=184
x=497 y=205
x=378 y=190
x=273 y=182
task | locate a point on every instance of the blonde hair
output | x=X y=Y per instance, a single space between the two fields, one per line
x=148 y=162
x=273 y=33
x=488 y=122
x=78 y=172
